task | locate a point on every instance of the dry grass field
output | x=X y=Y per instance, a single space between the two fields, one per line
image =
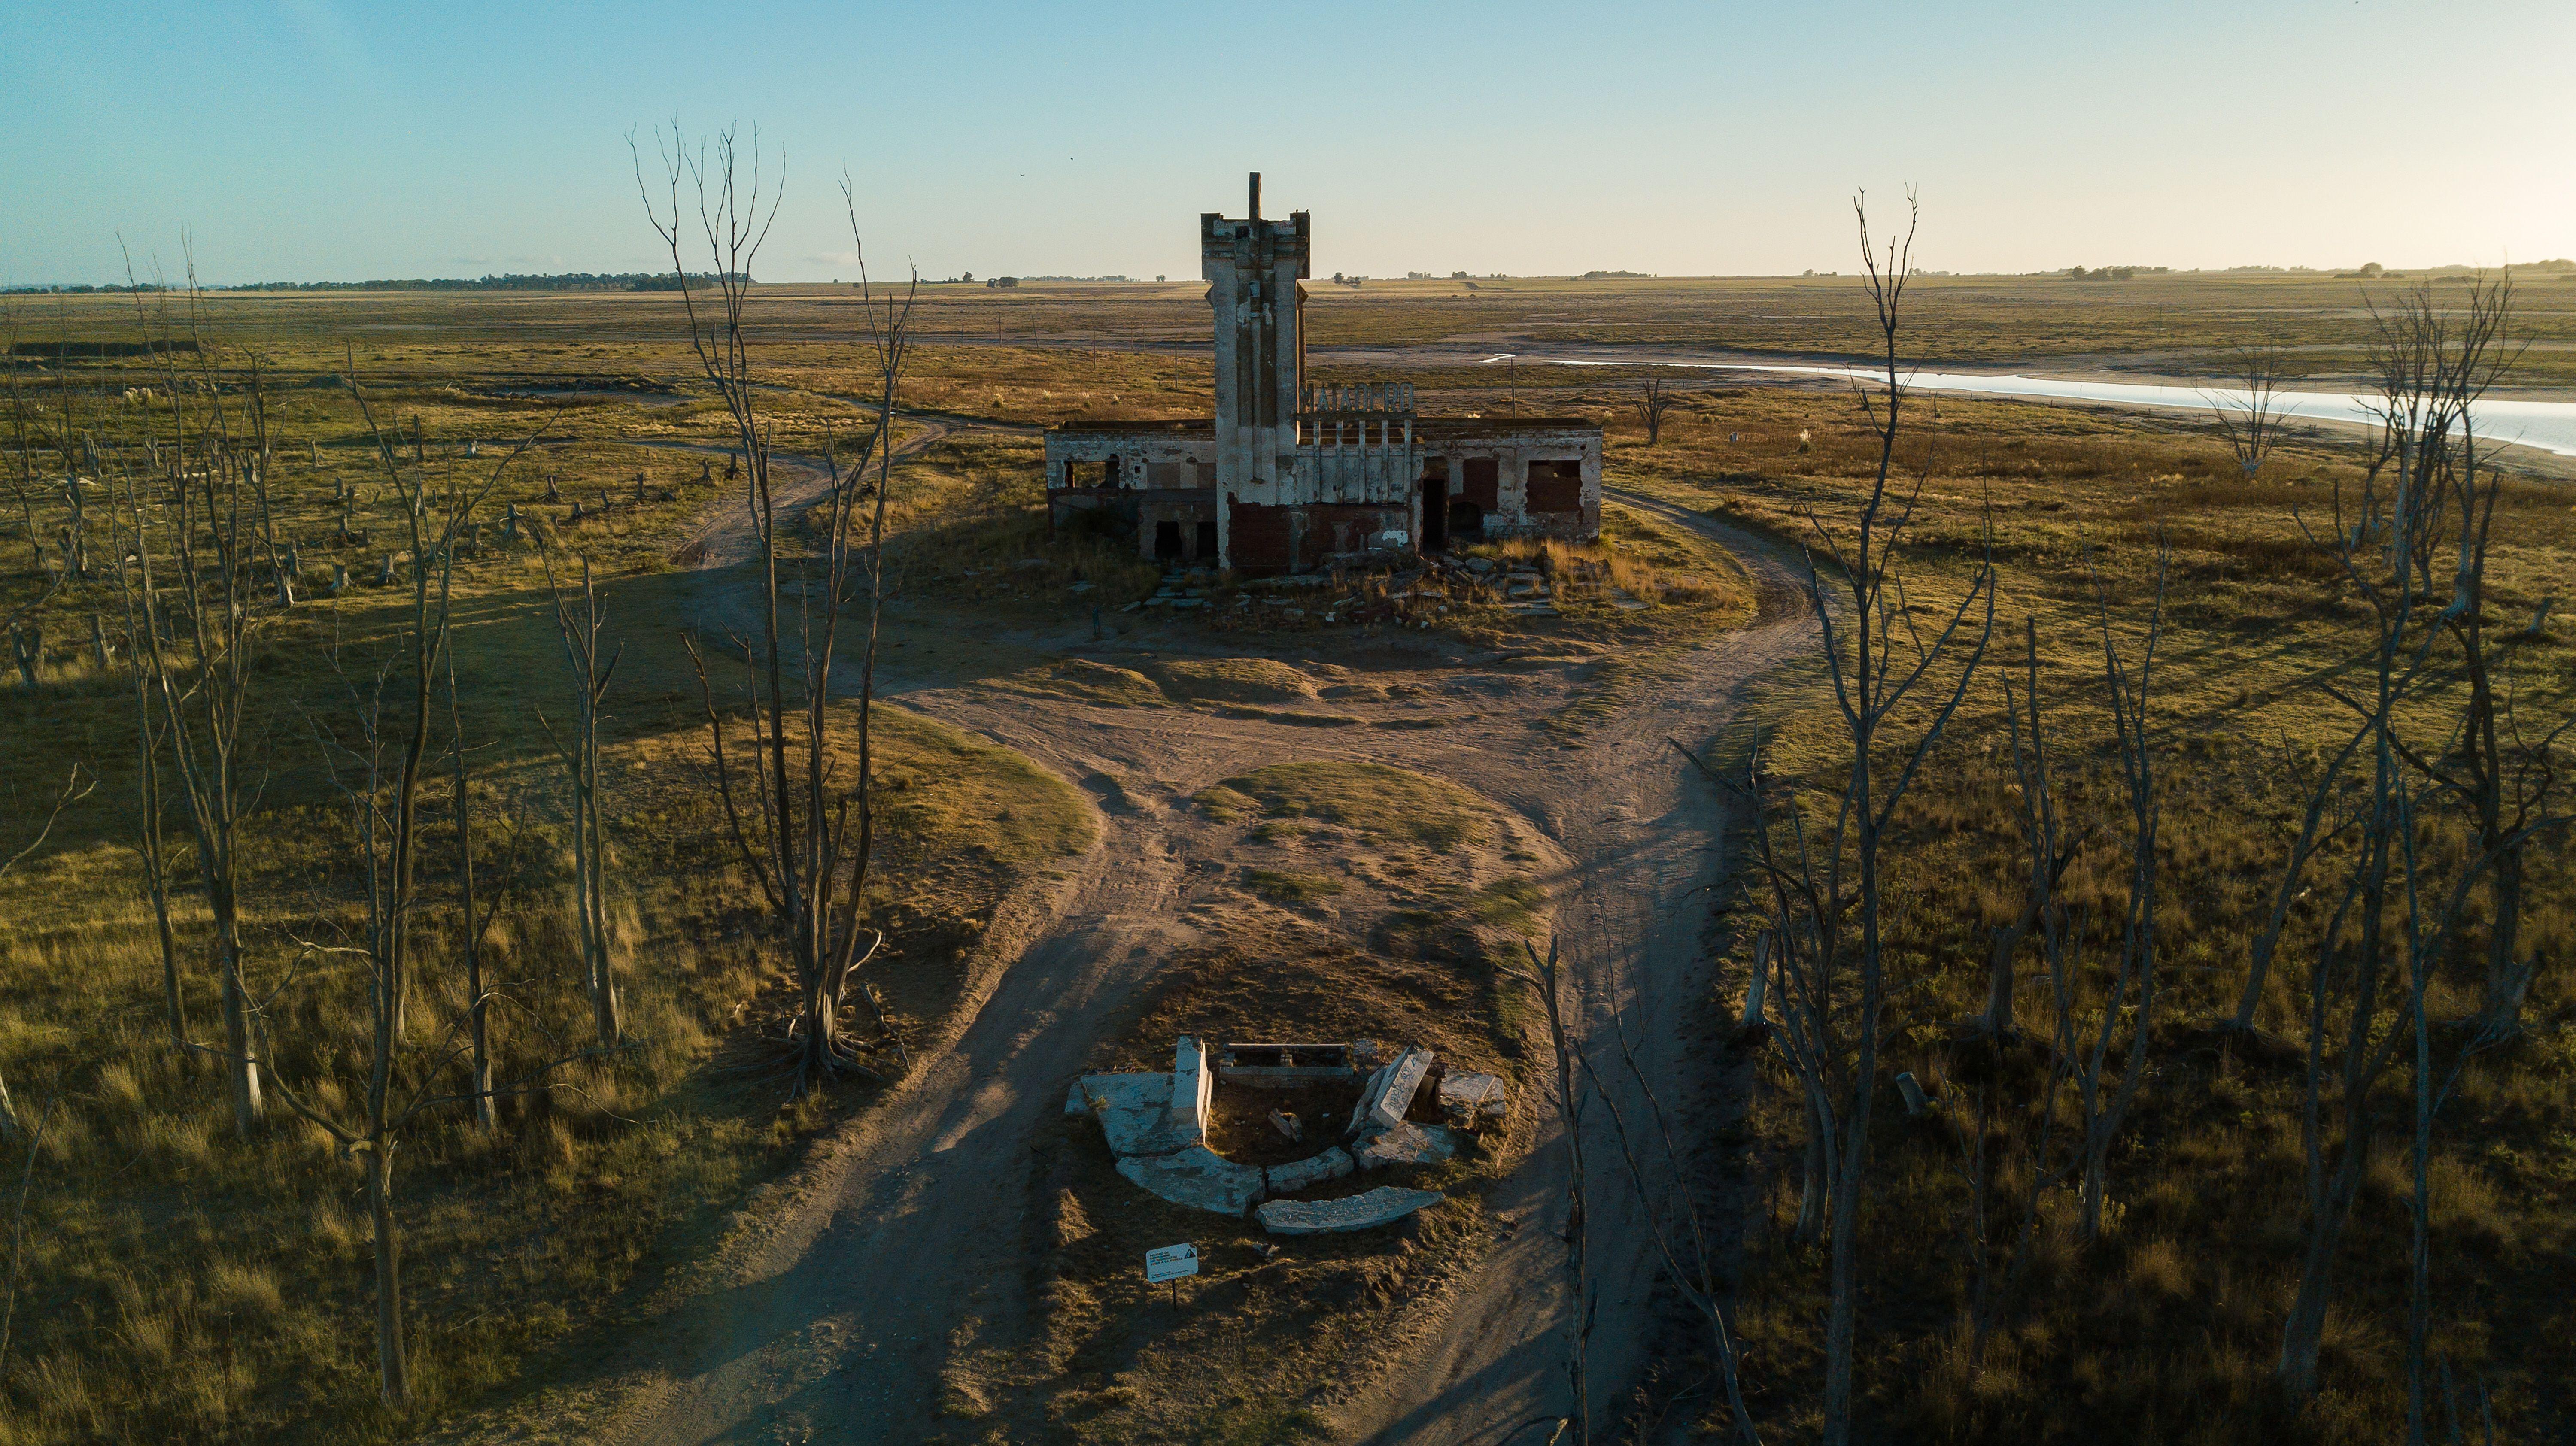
x=174 y=1283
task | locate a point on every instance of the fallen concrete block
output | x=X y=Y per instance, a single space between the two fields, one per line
x=1382 y=1206
x=1199 y=1178
x=1405 y=1145
x=1134 y=1110
x=1288 y=1125
x=1333 y=1164
x=1473 y=1099
x=1390 y=1092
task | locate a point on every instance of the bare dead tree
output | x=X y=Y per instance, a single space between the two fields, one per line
x=18 y=1220
x=1655 y=400
x=195 y=643
x=1995 y=1272
x=2325 y=820
x=1827 y=907
x=2416 y=561
x=365 y=766
x=478 y=1027
x=2132 y=1000
x=2250 y=414
x=1545 y=979
x=75 y=788
x=376 y=764
x=579 y=624
x=807 y=838
x=2045 y=846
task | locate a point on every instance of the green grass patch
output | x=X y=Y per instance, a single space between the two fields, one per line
x=1287 y=888
x=1374 y=799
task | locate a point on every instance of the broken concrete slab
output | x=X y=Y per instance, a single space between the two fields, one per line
x=1135 y=1112
x=1332 y=1164
x=1406 y=1145
x=1199 y=1178
x=1382 y=1206
x=1473 y=1099
x=1390 y=1092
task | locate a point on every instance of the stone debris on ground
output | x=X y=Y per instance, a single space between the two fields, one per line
x=1288 y=1125
x=1382 y=1206
x=1199 y=1178
x=1134 y=1112
x=1406 y=1144
x=1296 y=1175
x=1472 y=1100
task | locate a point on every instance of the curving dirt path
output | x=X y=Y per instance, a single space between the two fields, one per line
x=833 y=1319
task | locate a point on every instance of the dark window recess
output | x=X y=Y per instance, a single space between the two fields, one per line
x=1555 y=487
x=1162 y=474
x=1167 y=541
x=1207 y=542
x=1109 y=476
x=1206 y=473
x=1484 y=485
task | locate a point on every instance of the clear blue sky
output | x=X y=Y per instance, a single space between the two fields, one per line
x=335 y=140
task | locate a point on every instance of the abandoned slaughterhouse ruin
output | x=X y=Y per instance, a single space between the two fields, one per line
x=1292 y=477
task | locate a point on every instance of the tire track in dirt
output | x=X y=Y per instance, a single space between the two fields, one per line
x=835 y=1310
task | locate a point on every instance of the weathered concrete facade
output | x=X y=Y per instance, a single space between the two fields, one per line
x=1289 y=477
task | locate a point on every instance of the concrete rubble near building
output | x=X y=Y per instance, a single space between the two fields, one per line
x=1287 y=476
x=1157 y=1126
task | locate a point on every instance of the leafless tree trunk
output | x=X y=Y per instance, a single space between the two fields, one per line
x=377 y=768
x=1654 y=401
x=1871 y=680
x=200 y=664
x=2133 y=989
x=477 y=1000
x=2250 y=415
x=2420 y=503
x=2044 y=845
x=580 y=625
x=797 y=839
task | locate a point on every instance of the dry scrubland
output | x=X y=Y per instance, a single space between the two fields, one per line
x=179 y=1284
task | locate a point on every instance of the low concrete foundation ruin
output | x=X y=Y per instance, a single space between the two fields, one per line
x=1157 y=1125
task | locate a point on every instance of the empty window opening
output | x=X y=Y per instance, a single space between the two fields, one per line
x=1167 y=542
x=1555 y=487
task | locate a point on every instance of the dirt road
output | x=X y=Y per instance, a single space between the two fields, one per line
x=836 y=1315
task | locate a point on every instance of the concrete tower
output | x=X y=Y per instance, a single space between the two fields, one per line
x=1252 y=268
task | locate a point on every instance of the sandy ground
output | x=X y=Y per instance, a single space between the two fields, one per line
x=831 y=1313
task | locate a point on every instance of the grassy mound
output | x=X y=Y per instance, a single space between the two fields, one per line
x=1234 y=680
x=1376 y=800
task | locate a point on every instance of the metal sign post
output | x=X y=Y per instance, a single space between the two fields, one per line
x=1171 y=1263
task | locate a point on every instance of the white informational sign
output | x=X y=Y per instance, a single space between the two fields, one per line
x=1171 y=1263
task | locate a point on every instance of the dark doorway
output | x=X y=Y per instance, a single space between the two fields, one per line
x=1466 y=521
x=1167 y=542
x=1207 y=542
x=1109 y=474
x=1435 y=514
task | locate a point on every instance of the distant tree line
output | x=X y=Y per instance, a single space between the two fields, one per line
x=560 y=281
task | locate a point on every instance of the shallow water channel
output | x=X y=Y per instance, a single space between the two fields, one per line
x=2550 y=426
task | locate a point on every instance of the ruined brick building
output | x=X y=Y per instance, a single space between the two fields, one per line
x=1288 y=476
